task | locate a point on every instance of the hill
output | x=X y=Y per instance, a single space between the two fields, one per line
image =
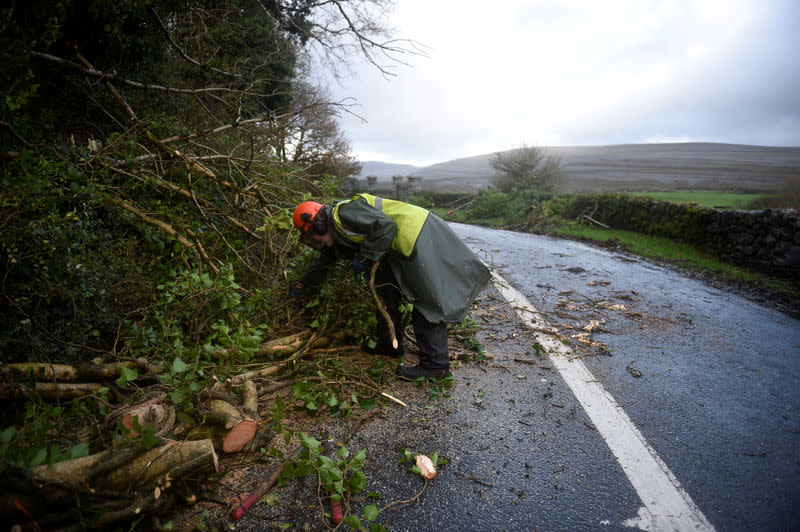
x=629 y=167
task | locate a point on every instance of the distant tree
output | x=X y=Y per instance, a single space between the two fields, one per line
x=525 y=168
x=311 y=136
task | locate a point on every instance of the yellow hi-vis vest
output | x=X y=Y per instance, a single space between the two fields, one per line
x=408 y=218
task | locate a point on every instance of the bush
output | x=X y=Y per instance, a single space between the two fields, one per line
x=509 y=207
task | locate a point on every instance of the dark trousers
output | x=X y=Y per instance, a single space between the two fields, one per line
x=431 y=337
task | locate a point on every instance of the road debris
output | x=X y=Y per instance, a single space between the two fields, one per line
x=634 y=372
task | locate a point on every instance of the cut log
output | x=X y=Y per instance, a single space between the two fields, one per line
x=173 y=459
x=48 y=390
x=239 y=436
x=143 y=415
x=250 y=397
x=276 y=367
x=167 y=460
x=70 y=373
x=42 y=372
x=283 y=346
x=223 y=413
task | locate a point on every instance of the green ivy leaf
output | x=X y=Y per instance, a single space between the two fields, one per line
x=353 y=521
x=78 y=451
x=357 y=481
x=148 y=440
x=178 y=366
x=127 y=375
x=39 y=457
x=8 y=434
x=371 y=512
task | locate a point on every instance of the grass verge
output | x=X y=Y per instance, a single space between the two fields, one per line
x=678 y=253
x=714 y=199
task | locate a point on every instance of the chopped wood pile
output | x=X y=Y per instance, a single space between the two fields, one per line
x=153 y=446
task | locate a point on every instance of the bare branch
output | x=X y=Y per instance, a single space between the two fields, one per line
x=185 y=55
x=108 y=76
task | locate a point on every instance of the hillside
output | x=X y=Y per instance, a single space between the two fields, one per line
x=641 y=167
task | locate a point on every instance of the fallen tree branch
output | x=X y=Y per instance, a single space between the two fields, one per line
x=48 y=390
x=381 y=309
x=69 y=372
x=182 y=240
x=275 y=368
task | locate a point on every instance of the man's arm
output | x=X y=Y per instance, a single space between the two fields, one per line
x=317 y=271
x=378 y=229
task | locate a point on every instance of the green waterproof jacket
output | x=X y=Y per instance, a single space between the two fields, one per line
x=439 y=275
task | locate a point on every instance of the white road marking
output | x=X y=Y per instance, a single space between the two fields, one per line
x=666 y=505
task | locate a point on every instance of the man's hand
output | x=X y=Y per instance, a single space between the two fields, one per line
x=296 y=290
x=361 y=265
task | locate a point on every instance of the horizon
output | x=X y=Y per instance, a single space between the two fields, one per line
x=652 y=143
x=575 y=74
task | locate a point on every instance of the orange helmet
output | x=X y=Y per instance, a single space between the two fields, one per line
x=304 y=215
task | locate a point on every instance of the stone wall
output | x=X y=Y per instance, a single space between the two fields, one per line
x=766 y=241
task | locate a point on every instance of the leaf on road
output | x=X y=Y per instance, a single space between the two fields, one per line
x=593 y=326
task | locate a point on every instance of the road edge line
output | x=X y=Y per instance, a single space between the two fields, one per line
x=667 y=506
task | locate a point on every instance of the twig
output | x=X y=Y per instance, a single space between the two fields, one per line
x=395 y=399
x=474 y=479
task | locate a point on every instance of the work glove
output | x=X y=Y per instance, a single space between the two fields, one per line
x=296 y=290
x=361 y=265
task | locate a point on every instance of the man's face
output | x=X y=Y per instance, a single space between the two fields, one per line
x=323 y=240
x=317 y=241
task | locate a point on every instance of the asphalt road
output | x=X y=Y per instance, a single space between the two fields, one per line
x=678 y=408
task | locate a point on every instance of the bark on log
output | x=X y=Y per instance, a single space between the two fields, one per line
x=275 y=368
x=285 y=345
x=223 y=413
x=173 y=459
x=250 y=397
x=143 y=415
x=241 y=429
x=163 y=461
x=48 y=390
x=70 y=373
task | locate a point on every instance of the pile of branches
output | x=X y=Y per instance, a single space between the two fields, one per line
x=149 y=159
x=158 y=443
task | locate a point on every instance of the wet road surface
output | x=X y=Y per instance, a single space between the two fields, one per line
x=707 y=379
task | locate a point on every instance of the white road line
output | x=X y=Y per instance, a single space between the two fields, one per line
x=666 y=505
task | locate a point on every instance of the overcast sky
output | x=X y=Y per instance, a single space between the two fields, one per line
x=505 y=73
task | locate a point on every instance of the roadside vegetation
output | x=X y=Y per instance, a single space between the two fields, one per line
x=532 y=206
x=150 y=157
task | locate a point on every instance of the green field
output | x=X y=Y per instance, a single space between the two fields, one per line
x=679 y=253
x=716 y=199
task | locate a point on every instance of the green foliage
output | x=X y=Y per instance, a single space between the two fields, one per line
x=715 y=199
x=43 y=434
x=339 y=475
x=466 y=331
x=437 y=388
x=68 y=270
x=526 y=168
x=508 y=207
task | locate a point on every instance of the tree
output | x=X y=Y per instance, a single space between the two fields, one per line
x=526 y=168
x=312 y=137
x=139 y=137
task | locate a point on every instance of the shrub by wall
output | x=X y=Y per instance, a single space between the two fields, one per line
x=767 y=241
